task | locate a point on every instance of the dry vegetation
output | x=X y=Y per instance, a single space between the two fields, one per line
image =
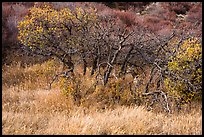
x=29 y=108
x=81 y=104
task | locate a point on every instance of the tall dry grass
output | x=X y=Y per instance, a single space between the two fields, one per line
x=29 y=108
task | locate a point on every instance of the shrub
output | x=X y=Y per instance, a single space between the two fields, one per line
x=195 y=13
x=137 y=6
x=58 y=33
x=127 y=18
x=155 y=24
x=85 y=90
x=178 y=7
x=185 y=79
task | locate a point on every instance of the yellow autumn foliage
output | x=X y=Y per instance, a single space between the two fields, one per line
x=45 y=25
x=186 y=68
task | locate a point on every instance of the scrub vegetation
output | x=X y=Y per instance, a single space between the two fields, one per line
x=102 y=68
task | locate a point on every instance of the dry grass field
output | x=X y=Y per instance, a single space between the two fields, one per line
x=29 y=108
